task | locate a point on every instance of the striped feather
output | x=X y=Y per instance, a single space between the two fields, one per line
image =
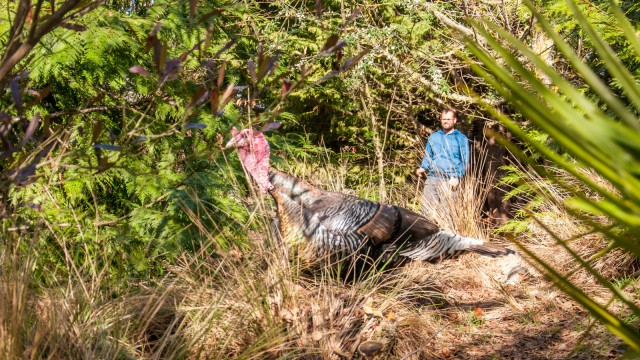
x=323 y=224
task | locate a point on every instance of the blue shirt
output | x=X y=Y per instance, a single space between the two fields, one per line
x=446 y=156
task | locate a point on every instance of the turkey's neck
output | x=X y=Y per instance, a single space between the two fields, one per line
x=280 y=181
x=289 y=185
x=257 y=165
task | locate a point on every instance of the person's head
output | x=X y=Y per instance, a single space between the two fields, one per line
x=448 y=119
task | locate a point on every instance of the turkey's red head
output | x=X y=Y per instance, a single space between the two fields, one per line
x=253 y=150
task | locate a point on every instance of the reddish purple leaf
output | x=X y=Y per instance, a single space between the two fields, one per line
x=137 y=69
x=73 y=26
x=15 y=93
x=159 y=55
x=195 y=126
x=252 y=71
x=226 y=47
x=5 y=127
x=270 y=126
x=210 y=14
x=331 y=41
x=267 y=66
x=25 y=175
x=221 y=74
x=97 y=129
x=37 y=96
x=171 y=69
x=327 y=77
x=31 y=129
x=260 y=53
x=7 y=147
x=334 y=48
x=199 y=96
x=5 y=124
x=352 y=61
x=186 y=53
x=351 y=18
x=286 y=87
x=226 y=96
x=319 y=9
x=214 y=100
x=207 y=64
x=152 y=38
x=23 y=75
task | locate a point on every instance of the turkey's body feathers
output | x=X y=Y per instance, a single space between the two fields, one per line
x=323 y=223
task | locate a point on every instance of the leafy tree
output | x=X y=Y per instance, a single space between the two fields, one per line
x=120 y=166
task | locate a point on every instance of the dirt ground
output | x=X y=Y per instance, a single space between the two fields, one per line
x=487 y=316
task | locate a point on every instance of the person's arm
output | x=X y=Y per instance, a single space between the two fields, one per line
x=461 y=168
x=426 y=161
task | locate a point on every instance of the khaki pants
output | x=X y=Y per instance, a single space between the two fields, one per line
x=436 y=194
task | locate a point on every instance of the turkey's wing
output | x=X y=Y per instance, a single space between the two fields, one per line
x=341 y=214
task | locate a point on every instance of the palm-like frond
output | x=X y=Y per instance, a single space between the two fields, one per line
x=598 y=131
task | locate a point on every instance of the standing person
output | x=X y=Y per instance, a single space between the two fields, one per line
x=446 y=158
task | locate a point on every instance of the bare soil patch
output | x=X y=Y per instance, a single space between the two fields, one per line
x=485 y=317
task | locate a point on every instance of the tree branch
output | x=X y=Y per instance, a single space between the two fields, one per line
x=16 y=27
x=74 y=112
x=434 y=89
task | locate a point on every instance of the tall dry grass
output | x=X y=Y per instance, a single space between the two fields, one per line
x=549 y=212
x=460 y=211
x=254 y=303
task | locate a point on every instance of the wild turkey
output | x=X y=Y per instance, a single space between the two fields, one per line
x=324 y=224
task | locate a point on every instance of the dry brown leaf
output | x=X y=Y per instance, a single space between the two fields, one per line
x=370 y=311
x=478 y=311
x=391 y=316
x=287 y=315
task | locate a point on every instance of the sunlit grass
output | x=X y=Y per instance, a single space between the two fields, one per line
x=257 y=301
x=247 y=302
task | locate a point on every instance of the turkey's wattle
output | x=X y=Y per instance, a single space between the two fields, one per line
x=253 y=150
x=323 y=223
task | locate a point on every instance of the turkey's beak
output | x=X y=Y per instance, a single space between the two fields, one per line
x=232 y=144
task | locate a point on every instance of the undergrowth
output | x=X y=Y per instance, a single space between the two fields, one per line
x=251 y=301
x=256 y=301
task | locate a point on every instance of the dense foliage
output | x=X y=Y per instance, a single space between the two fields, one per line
x=118 y=115
x=112 y=113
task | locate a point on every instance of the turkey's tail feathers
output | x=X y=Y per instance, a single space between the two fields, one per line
x=491 y=250
x=445 y=244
